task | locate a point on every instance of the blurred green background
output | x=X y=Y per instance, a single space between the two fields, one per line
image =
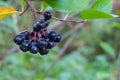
x=90 y=54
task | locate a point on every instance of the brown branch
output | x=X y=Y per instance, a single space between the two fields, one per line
x=62 y=20
x=77 y=21
x=26 y=8
x=39 y=12
x=32 y=8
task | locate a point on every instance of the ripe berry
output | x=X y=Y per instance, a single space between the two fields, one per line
x=34 y=49
x=50 y=44
x=25 y=45
x=36 y=27
x=24 y=32
x=52 y=35
x=46 y=22
x=42 y=43
x=58 y=38
x=18 y=39
x=39 y=39
x=47 y=15
x=44 y=51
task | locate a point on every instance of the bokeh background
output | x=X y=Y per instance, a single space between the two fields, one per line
x=87 y=51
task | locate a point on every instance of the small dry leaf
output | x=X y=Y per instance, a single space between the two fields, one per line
x=6 y=11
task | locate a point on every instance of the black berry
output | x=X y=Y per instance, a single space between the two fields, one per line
x=38 y=39
x=44 y=51
x=58 y=38
x=25 y=45
x=34 y=49
x=50 y=44
x=47 y=15
x=42 y=43
x=46 y=22
x=18 y=39
x=52 y=35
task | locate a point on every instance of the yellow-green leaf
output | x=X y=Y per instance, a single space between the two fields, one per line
x=6 y=11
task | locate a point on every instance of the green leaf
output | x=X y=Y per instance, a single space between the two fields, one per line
x=44 y=6
x=3 y=3
x=108 y=48
x=21 y=2
x=94 y=14
x=103 y=5
x=68 y=5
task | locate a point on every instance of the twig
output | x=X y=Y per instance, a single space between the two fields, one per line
x=22 y=12
x=63 y=20
x=77 y=21
x=32 y=8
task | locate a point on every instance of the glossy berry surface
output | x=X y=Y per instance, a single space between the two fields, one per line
x=58 y=38
x=42 y=43
x=44 y=51
x=39 y=39
x=46 y=22
x=34 y=49
x=18 y=39
x=47 y=15
x=52 y=35
x=50 y=44
x=25 y=45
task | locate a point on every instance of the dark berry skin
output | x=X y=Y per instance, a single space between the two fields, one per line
x=50 y=44
x=25 y=45
x=44 y=51
x=41 y=24
x=24 y=32
x=42 y=43
x=58 y=38
x=36 y=27
x=47 y=15
x=34 y=49
x=52 y=35
x=18 y=39
x=46 y=22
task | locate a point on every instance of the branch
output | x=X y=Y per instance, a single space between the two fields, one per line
x=26 y=8
x=62 y=20
x=32 y=8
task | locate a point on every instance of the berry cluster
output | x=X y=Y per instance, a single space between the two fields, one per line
x=39 y=40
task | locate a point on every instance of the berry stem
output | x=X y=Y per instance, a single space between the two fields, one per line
x=32 y=8
x=44 y=33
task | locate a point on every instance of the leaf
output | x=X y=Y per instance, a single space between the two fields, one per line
x=3 y=3
x=103 y=5
x=108 y=48
x=21 y=2
x=68 y=5
x=43 y=6
x=94 y=14
x=6 y=11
